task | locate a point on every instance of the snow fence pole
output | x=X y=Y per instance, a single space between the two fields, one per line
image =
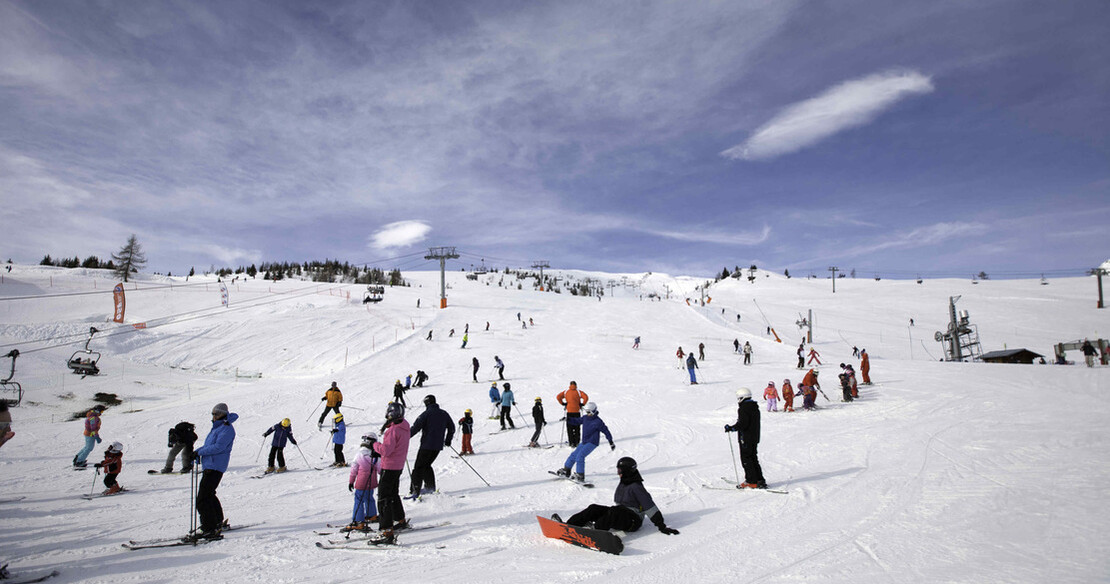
x=460 y=457
x=309 y=418
x=733 y=451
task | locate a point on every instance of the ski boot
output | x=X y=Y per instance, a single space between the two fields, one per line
x=555 y=517
x=280 y=469
x=563 y=472
x=385 y=538
x=167 y=471
x=113 y=489
x=402 y=524
x=579 y=477
x=269 y=469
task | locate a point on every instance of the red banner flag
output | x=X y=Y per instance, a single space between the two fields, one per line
x=121 y=303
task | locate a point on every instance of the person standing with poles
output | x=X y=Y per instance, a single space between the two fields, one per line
x=507 y=403
x=538 y=419
x=282 y=431
x=181 y=439
x=438 y=430
x=214 y=457
x=747 y=353
x=691 y=364
x=572 y=400
x=393 y=449
x=334 y=399
x=500 y=367
x=338 y=438
x=747 y=433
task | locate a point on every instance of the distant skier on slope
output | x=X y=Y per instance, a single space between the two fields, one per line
x=334 y=399
x=865 y=366
x=692 y=364
x=507 y=403
x=787 y=396
x=771 y=395
x=474 y=362
x=500 y=367
x=399 y=393
x=747 y=353
x=681 y=357
x=801 y=355
x=282 y=431
x=538 y=420
x=633 y=504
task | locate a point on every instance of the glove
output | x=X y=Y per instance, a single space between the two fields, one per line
x=293 y=441
x=447 y=443
x=323 y=399
x=334 y=430
x=667 y=530
x=545 y=423
x=728 y=428
x=612 y=446
x=98 y=440
x=351 y=487
x=98 y=465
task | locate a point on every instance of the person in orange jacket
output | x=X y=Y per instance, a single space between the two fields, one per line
x=865 y=366
x=572 y=399
x=810 y=379
x=787 y=396
x=334 y=397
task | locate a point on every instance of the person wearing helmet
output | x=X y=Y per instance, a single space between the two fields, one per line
x=393 y=449
x=495 y=401
x=845 y=386
x=538 y=419
x=214 y=457
x=572 y=401
x=399 y=393
x=338 y=437
x=466 y=427
x=633 y=504
x=787 y=396
x=282 y=432
x=334 y=399
x=181 y=439
x=747 y=433
x=362 y=481
x=437 y=429
x=507 y=403
x=112 y=465
x=592 y=429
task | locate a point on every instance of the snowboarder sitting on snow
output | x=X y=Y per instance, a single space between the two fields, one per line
x=592 y=428
x=747 y=433
x=112 y=465
x=633 y=504
x=181 y=439
x=338 y=437
x=282 y=431
x=334 y=397
x=466 y=427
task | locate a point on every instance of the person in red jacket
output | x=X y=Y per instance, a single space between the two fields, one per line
x=865 y=366
x=112 y=465
x=787 y=396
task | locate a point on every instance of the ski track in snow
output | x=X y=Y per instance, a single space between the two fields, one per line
x=939 y=472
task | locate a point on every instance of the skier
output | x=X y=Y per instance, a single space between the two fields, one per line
x=772 y=396
x=495 y=401
x=466 y=337
x=1089 y=353
x=814 y=356
x=362 y=481
x=851 y=373
x=735 y=345
x=572 y=401
x=855 y=351
x=538 y=419
x=393 y=448
x=421 y=377
x=438 y=430
x=451 y=333
x=429 y=336
x=633 y=504
x=692 y=364
x=487 y=325
x=466 y=427
x=334 y=397
x=408 y=381
x=865 y=366
x=181 y=439
x=474 y=362
x=747 y=353
x=282 y=431
x=845 y=387
x=399 y=393
x=801 y=355
x=338 y=437
x=809 y=396
x=466 y=329
x=530 y=323
x=593 y=427
x=787 y=396
x=747 y=433
x=507 y=403
x=518 y=316
x=92 y=438
x=810 y=378
x=213 y=457
x=500 y=367
x=112 y=465
x=681 y=357
x=636 y=343
x=701 y=351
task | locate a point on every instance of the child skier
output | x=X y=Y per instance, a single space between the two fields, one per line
x=362 y=481
x=636 y=343
x=801 y=355
x=787 y=396
x=408 y=381
x=537 y=417
x=399 y=393
x=466 y=426
x=814 y=356
x=112 y=465
x=494 y=400
x=282 y=431
x=681 y=357
x=507 y=403
x=772 y=396
x=338 y=437
x=845 y=387
x=92 y=438
x=809 y=396
x=592 y=428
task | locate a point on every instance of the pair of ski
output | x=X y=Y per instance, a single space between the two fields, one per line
x=188 y=540
x=566 y=478
x=734 y=486
x=368 y=541
x=158 y=472
x=9 y=578
x=91 y=496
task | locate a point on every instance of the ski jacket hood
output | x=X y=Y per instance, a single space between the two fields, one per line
x=216 y=452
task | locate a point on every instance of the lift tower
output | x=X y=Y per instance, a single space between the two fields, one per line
x=442 y=254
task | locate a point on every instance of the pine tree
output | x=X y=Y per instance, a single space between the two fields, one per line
x=130 y=258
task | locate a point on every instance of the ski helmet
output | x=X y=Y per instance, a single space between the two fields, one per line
x=335 y=385
x=468 y=411
x=429 y=400
x=338 y=418
x=364 y=451
x=539 y=399
x=286 y=423
x=394 y=411
x=506 y=386
x=771 y=383
x=116 y=447
x=370 y=437
x=743 y=393
x=591 y=409
x=626 y=463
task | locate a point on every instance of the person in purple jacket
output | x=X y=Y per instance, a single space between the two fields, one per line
x=592 y=428
x=394 y=449
x=633 y=504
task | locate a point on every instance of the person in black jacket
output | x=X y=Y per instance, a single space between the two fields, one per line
x=747 y=431
x=438 y=429
x=537 y=417
x=633 y=504
x=421 y=377
x=181 y=439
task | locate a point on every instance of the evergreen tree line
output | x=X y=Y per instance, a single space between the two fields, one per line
x=76 y=262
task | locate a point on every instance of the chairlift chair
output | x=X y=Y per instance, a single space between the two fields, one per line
x=373 y=294
x=84 y=362
x=11 y=392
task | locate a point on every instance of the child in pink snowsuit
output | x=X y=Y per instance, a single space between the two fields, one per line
x=772 y=396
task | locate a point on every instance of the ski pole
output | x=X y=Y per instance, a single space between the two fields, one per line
x=309 y=418
x=303 y=456
x=733 y=451
x=260 y=447
x=354 y=408
x=468 y=464
x=193 y=497
x=823 y=394
x=93 y=487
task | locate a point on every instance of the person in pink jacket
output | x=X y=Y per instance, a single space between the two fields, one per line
x=394 y=450
x=362 y=482
x=772 y=396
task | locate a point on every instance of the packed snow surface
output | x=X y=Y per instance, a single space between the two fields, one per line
x=940 y=472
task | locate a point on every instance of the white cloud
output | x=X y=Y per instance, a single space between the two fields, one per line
x=729 y=238
x=400 y=234
x=848 y=105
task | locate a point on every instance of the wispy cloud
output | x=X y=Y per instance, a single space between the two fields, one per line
x=400 y=234
x=718 y=237
x=848 y=105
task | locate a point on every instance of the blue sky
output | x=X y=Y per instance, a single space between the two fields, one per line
x=941 y=137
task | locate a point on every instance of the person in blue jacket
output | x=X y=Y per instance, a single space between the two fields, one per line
x=282 y=431
x=438 y=429
x=507 y=403
x=592 y=429
x=214 y=457
x=338 y=437
x=494 y=400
